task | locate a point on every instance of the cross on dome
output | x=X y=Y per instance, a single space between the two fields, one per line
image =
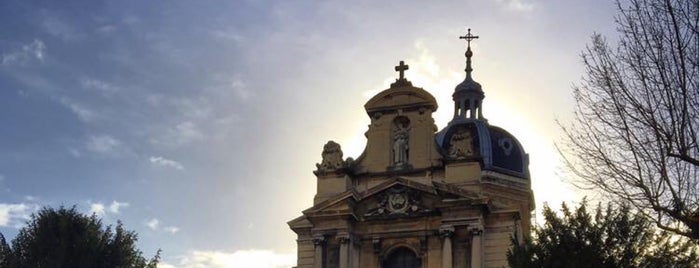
x=468 y=37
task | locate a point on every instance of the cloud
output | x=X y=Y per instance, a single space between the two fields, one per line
x=518 y=5
x=164 y=162
x=227 y=35
x=74 y=152
x=106 y=89
x=14 y=215
x=34 y=50
x=97 y=208
x=100 y=209
x=240 y=88
x=102 y=144
x=83 y=113
x=59 y=28
x=171 y=229
x=115 y=206
x=106 y=29
x=252 y=258
x=153 y=224
x=181 y=134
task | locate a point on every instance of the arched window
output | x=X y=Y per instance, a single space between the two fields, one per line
x=402 y=258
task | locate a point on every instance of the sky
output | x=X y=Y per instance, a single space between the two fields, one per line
x=198 y=123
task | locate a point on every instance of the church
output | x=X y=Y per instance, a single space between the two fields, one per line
x=419 y=196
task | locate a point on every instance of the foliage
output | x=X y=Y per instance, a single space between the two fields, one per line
x=67 y=238
x=611 y=237
x=634 y=136
x=4 y=252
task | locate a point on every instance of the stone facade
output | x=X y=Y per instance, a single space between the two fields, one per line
x=417 y=197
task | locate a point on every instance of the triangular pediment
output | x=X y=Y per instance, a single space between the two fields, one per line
x=396 y=197
x=339 y=202
x=300 y=223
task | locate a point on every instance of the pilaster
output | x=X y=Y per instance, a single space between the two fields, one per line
x=446 y=232
x=476 y=248
x=319 y=244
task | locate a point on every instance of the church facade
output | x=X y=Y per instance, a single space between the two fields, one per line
x=418 y=196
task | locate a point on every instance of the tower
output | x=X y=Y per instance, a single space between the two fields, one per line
x=416 y=196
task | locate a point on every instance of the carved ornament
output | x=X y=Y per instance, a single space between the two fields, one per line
x=332 y=157
x=461 y=144
x=397 y=202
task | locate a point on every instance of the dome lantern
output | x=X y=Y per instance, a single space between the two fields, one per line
x=468 y=96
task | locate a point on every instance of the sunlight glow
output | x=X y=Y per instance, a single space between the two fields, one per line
x=253 y=258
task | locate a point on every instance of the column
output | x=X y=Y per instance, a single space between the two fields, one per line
x=476 y=248
x=344 y=251
x=446 y=233
x=319 y=243
x=376 y=242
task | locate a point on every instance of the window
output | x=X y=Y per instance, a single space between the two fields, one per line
x=402 y=258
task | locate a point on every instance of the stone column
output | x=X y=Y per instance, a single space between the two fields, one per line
x=446 y=233
x=344 y=251
x=476 y=248
x=376 y=242
x=319 y=243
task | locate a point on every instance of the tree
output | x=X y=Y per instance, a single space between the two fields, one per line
x=634 y=132
x=612 y=237
x=4 y=251
x=67 y=238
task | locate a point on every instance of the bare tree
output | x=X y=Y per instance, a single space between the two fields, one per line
x=634 y=133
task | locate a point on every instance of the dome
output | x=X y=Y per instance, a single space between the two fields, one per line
x=468 y=85
x=476 y=140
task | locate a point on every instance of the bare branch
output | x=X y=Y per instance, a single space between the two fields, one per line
x=634 y=133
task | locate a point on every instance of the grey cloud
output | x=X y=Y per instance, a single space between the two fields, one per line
x=36 y=50
x=102 y=144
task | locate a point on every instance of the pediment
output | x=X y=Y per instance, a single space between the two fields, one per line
x=300 y=223
x=399 y=201
x=401 y=97
x=341 y=202
x=396 y=197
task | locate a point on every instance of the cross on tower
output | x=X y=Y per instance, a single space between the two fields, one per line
x=469 y=37
x=401 y=68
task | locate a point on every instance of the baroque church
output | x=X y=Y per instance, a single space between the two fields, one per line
x=418 y=196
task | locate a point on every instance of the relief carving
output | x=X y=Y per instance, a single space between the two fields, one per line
x=461 y=144
x=398 y=201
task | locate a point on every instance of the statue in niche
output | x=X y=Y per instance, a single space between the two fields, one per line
x=400 y=142
x=461 y=144
x=332 y=157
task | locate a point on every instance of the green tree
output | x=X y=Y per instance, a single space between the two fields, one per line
x=611 y=237
x=66 y=238
x=635 y=134
x=4 y=251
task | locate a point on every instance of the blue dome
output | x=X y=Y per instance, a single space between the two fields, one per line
x=496 y=149
x=468 y=85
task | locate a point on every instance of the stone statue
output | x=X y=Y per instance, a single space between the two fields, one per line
x=400 y=146
x=461 y=144
x=332 y=157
